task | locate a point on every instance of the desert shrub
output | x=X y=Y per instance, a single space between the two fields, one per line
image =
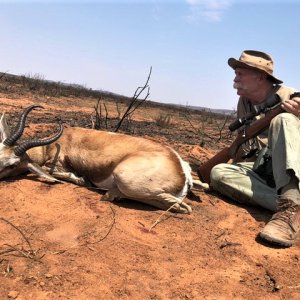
x=163 y=120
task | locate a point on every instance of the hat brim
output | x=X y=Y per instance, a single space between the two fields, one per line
x=234 y=63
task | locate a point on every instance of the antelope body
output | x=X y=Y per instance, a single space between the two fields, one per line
x=125 y=166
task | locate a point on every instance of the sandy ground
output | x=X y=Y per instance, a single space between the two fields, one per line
x=60 y=241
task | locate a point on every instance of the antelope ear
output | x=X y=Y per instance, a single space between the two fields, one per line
x=4 y=129
x=36 y=169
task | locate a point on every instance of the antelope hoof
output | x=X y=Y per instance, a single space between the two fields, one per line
x=108 y=197
x=182 y=208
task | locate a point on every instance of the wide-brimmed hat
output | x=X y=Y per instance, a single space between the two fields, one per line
x=256 y=60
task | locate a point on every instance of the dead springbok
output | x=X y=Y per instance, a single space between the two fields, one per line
x=125 y=166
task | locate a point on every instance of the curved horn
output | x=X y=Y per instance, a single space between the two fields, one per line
x=20 y=127
x=21 y=149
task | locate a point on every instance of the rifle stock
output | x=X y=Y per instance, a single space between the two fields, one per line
x=228 y=153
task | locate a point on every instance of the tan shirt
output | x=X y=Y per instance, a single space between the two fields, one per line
x=278 y=93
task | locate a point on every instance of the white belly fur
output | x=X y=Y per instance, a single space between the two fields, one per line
x=105 y=184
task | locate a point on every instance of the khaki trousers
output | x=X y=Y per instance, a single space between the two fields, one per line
x=240 y=183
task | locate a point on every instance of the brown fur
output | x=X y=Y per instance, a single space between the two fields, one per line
x=95 y=154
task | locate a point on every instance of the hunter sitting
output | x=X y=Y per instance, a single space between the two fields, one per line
x=266 y=170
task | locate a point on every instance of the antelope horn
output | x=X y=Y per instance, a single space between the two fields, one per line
x=20 y=127
x=21 y=149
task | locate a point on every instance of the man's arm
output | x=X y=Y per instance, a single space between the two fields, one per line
x=250 y=131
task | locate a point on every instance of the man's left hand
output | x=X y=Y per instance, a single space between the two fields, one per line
x=292 y=106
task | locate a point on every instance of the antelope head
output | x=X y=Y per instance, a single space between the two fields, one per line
x=13 y=158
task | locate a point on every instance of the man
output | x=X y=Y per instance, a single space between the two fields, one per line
x=279 y=192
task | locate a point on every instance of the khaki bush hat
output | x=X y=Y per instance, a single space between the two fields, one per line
x=256 y=60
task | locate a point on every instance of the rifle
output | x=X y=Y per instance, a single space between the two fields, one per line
x=250 y=131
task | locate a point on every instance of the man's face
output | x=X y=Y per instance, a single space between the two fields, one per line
x=246 y=82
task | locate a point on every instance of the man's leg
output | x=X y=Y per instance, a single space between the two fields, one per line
x=284 y=141
x=240 y=183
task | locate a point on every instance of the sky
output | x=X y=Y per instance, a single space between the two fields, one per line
x=111 y=45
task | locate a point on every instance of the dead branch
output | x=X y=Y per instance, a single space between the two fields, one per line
x=220 y=234
x=197 y=131
x=31 y=254
x=97 y=123
x=227 y=243
x=220 y=128
x=118 y=110
x=113 y=221
x=15 y=227
x=98 y=115
x=106 y=115
x=159 y=219
x=135 y=102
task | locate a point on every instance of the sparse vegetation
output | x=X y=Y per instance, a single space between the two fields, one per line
x=109 y=111
x=37 y=84
x=163 y=120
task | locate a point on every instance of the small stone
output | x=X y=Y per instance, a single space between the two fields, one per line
x=13 y=294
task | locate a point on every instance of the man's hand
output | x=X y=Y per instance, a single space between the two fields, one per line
x=292 y=106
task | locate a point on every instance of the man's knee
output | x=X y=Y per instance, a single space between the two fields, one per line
x=217 y=173
x=283 y=118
